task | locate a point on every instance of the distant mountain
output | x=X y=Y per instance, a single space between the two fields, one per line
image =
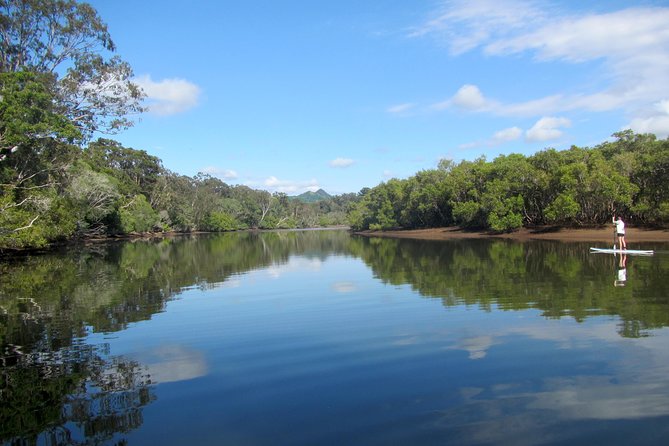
x=312 y=197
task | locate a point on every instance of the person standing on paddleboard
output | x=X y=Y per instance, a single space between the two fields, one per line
x=620 y=232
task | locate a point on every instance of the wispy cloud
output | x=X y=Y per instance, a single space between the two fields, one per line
x=169 y=96
x=471 y=98
x=655 y=122
x=274 y=184
x=224 y=174
x=341 y=162
x=545 y=129
x=463 y=25
x=632 y=45
x=400 y=108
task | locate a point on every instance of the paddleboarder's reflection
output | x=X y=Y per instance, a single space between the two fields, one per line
x=621 y=277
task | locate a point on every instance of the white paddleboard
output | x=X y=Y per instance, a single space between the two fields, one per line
x=622 y=251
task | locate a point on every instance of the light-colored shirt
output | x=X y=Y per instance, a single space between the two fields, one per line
x=620 y=226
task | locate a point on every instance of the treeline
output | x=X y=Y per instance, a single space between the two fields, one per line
x=63 y=191
x=60 y=84
x=574 y=187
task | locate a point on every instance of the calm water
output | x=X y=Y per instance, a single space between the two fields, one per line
x=317 y=338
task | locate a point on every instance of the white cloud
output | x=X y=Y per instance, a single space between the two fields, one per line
x=548 y=104
x=547 y=128
x=223 y=174
x=663 y=106
x=469 y=97
x=617 y=36
x=341 y=162
x=498 y=138
x=273 y=184
x=169 y=96
x=466 y=24
x=400 y=108
x=630 y=46
x=657 y=123
x=469 y=145
x=506 y=135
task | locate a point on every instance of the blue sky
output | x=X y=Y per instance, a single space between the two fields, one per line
x=298 y=95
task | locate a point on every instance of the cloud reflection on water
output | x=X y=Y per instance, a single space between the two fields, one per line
x=172 y=363
x=344 y=287
x=531 y=412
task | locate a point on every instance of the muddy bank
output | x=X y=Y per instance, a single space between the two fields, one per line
x=604 y=234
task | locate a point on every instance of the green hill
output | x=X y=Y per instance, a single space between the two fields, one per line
x=312 y=197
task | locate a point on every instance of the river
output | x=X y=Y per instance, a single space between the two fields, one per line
x=320 y=337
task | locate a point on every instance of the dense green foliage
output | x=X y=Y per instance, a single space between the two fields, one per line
x=106 y=189
x=576 y=187
x=57 y=88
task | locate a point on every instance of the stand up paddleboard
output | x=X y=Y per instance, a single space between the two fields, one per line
x=622 y=251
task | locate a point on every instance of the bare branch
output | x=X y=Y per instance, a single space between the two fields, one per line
x=125 y=206
x=14 y=205
x=12 y=231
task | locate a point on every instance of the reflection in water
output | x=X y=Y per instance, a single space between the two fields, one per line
x=477 y=346
x=621 y=276
x=59 y=387
x=574 y=408
x=558 y=279
x=170 y=363
x=74 y=395
x=344 y=287
x=55 y=388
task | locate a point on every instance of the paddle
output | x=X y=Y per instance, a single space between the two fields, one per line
x=614 y=234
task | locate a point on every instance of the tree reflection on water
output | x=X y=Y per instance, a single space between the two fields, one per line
x=74 y=395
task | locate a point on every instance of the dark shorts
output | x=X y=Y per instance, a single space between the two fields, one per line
x=620 y=235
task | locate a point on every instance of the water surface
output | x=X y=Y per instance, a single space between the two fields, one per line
x=317 y=337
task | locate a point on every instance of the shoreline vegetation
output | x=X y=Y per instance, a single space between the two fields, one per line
x=563 y=234
x=580 y=187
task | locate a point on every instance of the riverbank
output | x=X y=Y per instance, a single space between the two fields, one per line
x=604 y=234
